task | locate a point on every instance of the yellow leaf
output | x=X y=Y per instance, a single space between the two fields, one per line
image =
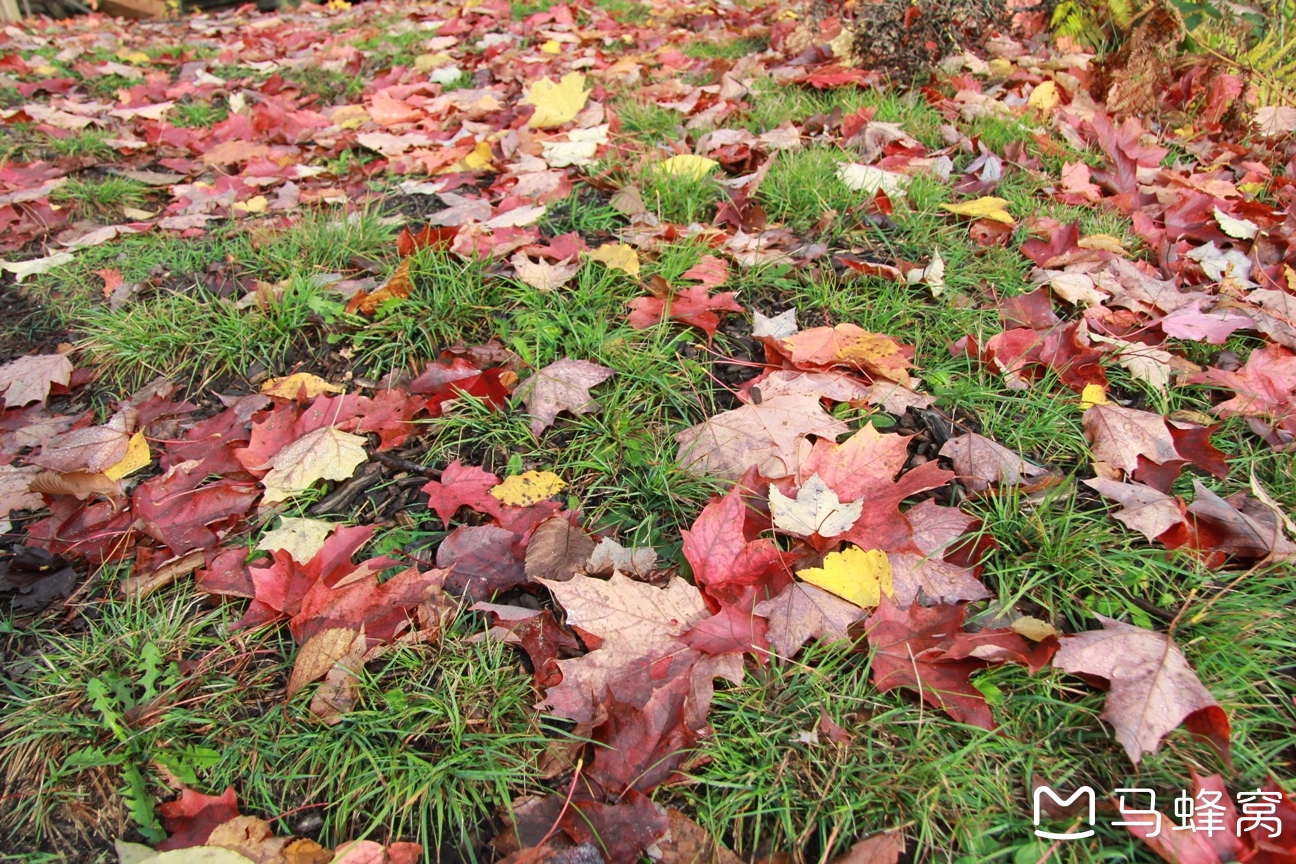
x=300 y=538
x=325 y=454
x=1000 y=68
x=617 y=256
x=1033 y=628
x=551 y=47
x=425 y=63
x=1106 y=242
x=350 y=116
x=134 y=57
x=983 y=208
x=1044 y=97
x=531 y=487
x=688 y=166
x=1093 y=394
x=480 y=157
x=853 y=574
x=137 y=456
x=255 y=204
x=46 y=70
x=556 y=104
x=1253 y=188
x=288 y=387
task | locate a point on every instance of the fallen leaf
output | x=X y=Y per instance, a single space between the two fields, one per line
x=981 y=463
x=16 y=491
x=803 y=612
x=527 y=488
x=540 y=274
x=887 y=847
x=300 y=538
x=561 y=386
x=634 y=620
x=1153 y=689
x=617 y=256
x=692 y=306
x=398 y=287
x=556 y=103
x=689 y=843
x=36 y=266
x=1241 y=229
x=868 y=179
x=192 y=817
x=136 y=457
x=852 y=346
x=1148 y=447
x=557 y=550
x=853 y=574
x=688 y=167
x=609 y=556
x=1044 y=97
x=462 y=486
x=815 y=510
x=983 y=208
x=318 y=654
x=1144 y=509
x=769 y=437
x=28 y=379
x=299 y=385
x=325 y=454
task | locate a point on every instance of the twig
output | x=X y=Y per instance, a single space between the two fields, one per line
x=397 y=462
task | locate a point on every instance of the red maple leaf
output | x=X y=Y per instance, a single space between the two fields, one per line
x=692 y=306
x=192 y=817
x=462 y=486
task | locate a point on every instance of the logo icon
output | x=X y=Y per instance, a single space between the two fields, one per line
x=1085 y=791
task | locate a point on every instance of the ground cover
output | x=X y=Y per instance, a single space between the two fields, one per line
x=597 y=431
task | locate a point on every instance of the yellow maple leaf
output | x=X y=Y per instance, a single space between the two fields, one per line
x=480 y=157
x=617 y=256
x=551 y=47
x=325 y=454
x=137 y=456
x=1044 y=97
x=688 y=166
x=289 y=386
x=255 y=204
x=556 y=104
x=988 y=207
x=350 y=116
x=1093 y=394
x=853 y=574
x=1106 y=242
x=530 y=487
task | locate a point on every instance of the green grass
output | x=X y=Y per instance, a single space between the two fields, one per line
x=101 y=195
x=448 y=728
x=198 y=114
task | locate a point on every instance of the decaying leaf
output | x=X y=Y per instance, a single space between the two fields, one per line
x=28 y=379
x=325 y=454
x=563 y=385
x=527 y=488
x=816 y=509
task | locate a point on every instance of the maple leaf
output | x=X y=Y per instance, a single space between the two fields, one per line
x=634 y=620
x=16 y=491
x=617 y=256
x=980 y=463
x=1263 y=386
x=300 y=538
x=863 y=467
x=528 y=488
x=803 y=612
x=1150 y=512
x=908 y=651
x=192 y=817
x=28 y=379
x=299 y=385
x=481 y=561
x=725 y=554
x=853 y=574
x=1147 y=447
x=93 y=449
x=538 y=633
x=462 y=486
x=556 y=103
x=692 y=306
x=769 y=437
x=849 y=345
x=557 y=549
x=541 y=275
x=688 y=166
x=1153 y=689
x=325 y=454
x=610 y=555
x=1239 y=526
x=563 y=385
x=983 y=208
x=815 y=510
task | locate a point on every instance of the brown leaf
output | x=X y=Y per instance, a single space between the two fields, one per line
x=28 y=379
x=610 y=555
x=82 y=484
x=690 y=843
x=21 y=488
x=561 y=386
x=398 y=287
x=803 y=612
x=341 y=688
x=557 y=550
x=1153 y=689
x=769 y=436
x=1144 y=509
x=634 y=620
x=541 y=275
x=981 y=463
x=318 y=655
x=884 y=848
x=142 y=585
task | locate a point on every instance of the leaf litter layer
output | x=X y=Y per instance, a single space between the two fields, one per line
x=750 y=394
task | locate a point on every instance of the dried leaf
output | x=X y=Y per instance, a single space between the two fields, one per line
x=561 y=386
x=527 y=488
x=325 y=454
x=28 y=379
x=815 y=510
